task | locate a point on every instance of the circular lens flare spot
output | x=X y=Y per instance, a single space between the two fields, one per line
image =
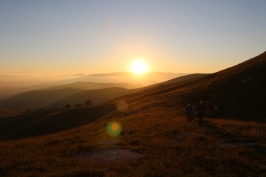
x=114 y=128
x=121 y=106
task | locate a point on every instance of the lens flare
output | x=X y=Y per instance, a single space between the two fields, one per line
x=114 y=128
x=122 y=106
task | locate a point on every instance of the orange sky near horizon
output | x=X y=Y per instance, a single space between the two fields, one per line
x=58 y=38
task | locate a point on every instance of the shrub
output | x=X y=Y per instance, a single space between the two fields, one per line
x=87 y=103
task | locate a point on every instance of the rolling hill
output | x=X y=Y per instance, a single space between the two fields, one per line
x=36 y=99
x=49 y=120
x=59 y=95
x=97 y=96
x=155 y=138
x=9 y=112
x=8 y=92
x=239 y=92
x=104 y=95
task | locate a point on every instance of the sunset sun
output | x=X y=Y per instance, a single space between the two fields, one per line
x=139 y=67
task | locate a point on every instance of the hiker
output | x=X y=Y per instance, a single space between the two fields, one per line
x=189 y=112
x=200 y=111
x=216 y=110
x=192 y=113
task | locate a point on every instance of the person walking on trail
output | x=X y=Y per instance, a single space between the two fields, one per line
x=193 y=113
x=200 y=111
x=189 y=112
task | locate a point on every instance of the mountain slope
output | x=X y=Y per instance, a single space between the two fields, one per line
x=36 y=99
x=96 y=96
x=50 y=121
x=160 y=86
x=9 y=112
x=155 y=138
x=238 y=91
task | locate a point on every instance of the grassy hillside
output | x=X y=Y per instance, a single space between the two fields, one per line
x=36 y=99
x=154 y=137
x=168 y=146
x=156 y=87
x=9 y=112
x=238 y=91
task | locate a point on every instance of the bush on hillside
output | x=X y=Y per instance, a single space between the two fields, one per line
x=87 y=103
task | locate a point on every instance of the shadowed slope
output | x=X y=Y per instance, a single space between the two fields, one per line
x=36 y=99
x=157 y=87
x=238 y=90
x=9 y=112
x=50 y=121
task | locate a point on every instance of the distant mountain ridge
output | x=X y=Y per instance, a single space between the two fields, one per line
x=13 y=85
x=91 y=86
x=144 y=79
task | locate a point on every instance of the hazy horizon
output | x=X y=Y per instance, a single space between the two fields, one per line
x=116 y=77
x=54 y=38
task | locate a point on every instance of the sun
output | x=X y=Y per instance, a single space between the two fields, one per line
x=139 y=67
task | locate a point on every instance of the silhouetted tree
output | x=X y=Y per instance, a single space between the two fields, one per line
x=87 y=103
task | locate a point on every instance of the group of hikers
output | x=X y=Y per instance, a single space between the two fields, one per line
x=199 y=111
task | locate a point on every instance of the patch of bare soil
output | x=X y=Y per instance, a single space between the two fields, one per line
x=237 y=144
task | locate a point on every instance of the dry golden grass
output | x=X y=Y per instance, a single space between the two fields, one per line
x=170 y=146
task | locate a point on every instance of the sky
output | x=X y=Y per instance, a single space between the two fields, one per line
x=66 y=37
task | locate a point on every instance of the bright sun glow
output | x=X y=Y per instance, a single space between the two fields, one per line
x=139 y=67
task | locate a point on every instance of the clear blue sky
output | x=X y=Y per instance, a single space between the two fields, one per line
x=103 y=36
